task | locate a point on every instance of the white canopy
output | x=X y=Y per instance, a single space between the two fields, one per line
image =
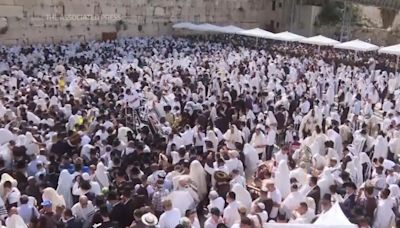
x=206 y=28
x=334 y=218
x=391 y=50
x=183 y=25
x=288 y=36
x=231 y=29
x=257 y=32
x=320 y=41
x=357 y=45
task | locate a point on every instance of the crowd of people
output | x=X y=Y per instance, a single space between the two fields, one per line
x=189 y=132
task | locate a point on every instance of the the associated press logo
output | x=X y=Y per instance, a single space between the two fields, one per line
x=84 y=17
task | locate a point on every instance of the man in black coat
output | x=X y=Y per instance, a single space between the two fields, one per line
x=315 y=191
x=71 y=221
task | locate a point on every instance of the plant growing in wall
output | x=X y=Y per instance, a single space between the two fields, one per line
x=388 y=16
x=140 y=28
x=68 y=26
x=4 y=30
x=120 y=25
x=332 y=14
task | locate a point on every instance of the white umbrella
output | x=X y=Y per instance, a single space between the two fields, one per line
x=392 y=50
x=320 y=41
x=288 y=36
x=357 y=45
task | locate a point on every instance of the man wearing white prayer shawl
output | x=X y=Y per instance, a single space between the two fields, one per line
x=325 y=181
x=384 y=216
x=182 y=200
x=198 y=176
x=292 y=201
x=258 y=140
x=15 y=221
x=56 y=199
x=381 y=147
x=231 y=212
x=300 y=174
x=101 y=175
x=282 y=181
x=232 y=136
x=171 y=217
x=84 y=210
x=215 y=201
x=243 y=197
x=64 y=187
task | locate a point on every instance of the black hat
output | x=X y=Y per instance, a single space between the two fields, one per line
x=350 y=185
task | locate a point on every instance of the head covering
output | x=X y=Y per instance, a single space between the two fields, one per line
x=251 y=159
x=149 y=219
x=242 y=195
x=15 y=221
x=198 y=176
x=101 y=175
x=51 y=195
x=282 y=180
x=64 y=187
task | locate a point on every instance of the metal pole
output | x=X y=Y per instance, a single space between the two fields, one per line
x=397 y=65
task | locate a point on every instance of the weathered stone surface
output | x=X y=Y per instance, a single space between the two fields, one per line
x=11 y=11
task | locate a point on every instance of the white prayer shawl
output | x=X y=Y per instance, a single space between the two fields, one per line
x=212 y=137
x=182 y=200
x=64 y=187
x=56 y=199
x=33 y=118
x=384 y=216
x=258 y=140
x=6 y=136
x=337 y=140
x=232 y=137
x=381 y=147
x=282 y=180
x=292 y=202
x=15 y=221
x=30 y=144
x=6 y=177
x=325 y=182
x=251 y=159
x=198 y=176
x=395 y=194
x=122 y=134
x=300 y=175
x=243 y=197
x=83 y=213
x=102 y=175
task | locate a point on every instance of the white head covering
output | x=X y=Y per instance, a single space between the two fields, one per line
x=64 y=187
x=326 y=181
x=15 y=221
x=242 y=195
x=198 y=175
x=282 y=180
x=56 y=199
x=6 y=177
x=251 y=158
x=101 y=175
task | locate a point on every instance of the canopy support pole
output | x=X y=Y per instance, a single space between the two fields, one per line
x=256 y=42
x=397 y=65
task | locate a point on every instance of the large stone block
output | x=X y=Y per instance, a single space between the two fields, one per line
x=6 y=2
x=159 y=12
x=11 y=11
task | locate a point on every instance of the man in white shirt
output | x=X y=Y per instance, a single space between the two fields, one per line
x=258 y=140
x=270 y=140
x=214 y=219
x=170 y=218
x=231 y=213
x=303 y=215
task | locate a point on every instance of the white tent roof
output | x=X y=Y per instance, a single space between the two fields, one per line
x=257 y=32
x=288 y=36
x=183 y=25
x=334 y=216
x=231 y=29
x=391 y=50
x=320 y=41
x=357 y=45
x=206 y=28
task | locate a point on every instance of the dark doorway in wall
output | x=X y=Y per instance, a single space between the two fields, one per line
x=108 y=36
x=273 y=5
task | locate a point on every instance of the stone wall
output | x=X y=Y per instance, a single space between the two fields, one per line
x=31 y=21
